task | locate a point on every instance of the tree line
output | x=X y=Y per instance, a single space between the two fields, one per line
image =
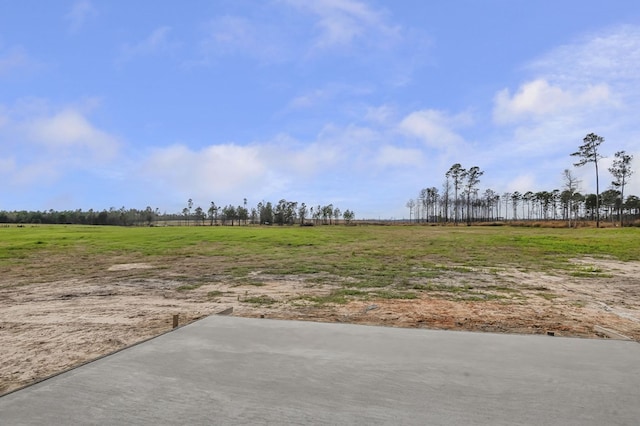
x=284 y=212
x=264 y=213
x=460 y=199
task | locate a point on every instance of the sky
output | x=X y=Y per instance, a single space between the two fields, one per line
x=354 y=103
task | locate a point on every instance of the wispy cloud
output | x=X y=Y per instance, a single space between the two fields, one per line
x=7 y=164
x=382 y=114
x=14 y=58
x=81 y=12
x=303 y=32
x=158 y=41
x=326 y=94
x=239 y=35
x=342 y=23
x=309 y=99
x=610 y=55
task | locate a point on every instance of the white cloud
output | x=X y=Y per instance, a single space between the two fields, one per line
x=214 y=170
x=70 y=129
x=435 y=128
x=230 y=170
x=273 y=168
x=522 y=183
x=393 y=156
x=46 y=145
x=538 y=99
x=81 y=12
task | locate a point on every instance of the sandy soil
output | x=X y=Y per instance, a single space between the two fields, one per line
x=49 y=322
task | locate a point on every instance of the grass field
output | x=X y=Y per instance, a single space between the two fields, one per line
x=395 y=260
x=356 y=251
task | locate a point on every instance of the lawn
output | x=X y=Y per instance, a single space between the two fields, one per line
x=371 y=256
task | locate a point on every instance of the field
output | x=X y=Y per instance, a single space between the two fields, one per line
x=69 y=294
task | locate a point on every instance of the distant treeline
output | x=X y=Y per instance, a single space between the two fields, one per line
x=461 y=199
x=122 y=217
x=265 y=213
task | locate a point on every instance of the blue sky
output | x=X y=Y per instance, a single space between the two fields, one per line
x=351 y=102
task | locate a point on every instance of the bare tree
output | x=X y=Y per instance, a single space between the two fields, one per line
x=506 y=197
x=515 y=199
x=457 y=174
x=444 y=203
x=423 y=199
x=410 y=205
x=588 y=153
x=473 y=179
x=571 y=188
x=621 y=171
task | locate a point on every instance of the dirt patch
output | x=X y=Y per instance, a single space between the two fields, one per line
x=50 y=322
x=129 y=266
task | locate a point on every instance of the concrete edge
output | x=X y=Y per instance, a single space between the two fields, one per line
x=612 y=334
x=89 y=361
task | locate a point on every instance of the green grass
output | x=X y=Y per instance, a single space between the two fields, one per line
x=589 y=271
x=369 y=257
x=215 y=293
x=187 y=287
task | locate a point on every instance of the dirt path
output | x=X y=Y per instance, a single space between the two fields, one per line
x=52 y=323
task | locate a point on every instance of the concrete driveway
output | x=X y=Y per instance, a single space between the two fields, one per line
x=227 y=370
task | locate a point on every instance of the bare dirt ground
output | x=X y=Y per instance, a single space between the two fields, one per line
x=49 y=323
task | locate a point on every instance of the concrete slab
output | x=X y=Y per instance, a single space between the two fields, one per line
x=227 y=370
